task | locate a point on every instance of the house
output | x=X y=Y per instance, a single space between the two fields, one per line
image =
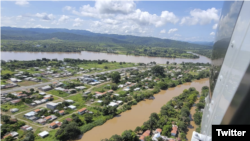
x=99 y=101
x=15 y=101
x=174 y=130
x=61 y=112
x=87 y=92
x=47 y=118
x=68 y=119
x=30 y=114
x=43 y=134
x=136 y=89
x=116 y=94
x=59 y=84
x=145 y=134
x=14 y=110
x=46 y=88
x=113 y=104
x=97 y=94
x=119 y=102
x=69 y=101
x=27 y=128
x=80 y=87
x=51 y=105
x=82 y=111
x=41 y=121
x=72 y=107
x=37 y=110
x=55 y=124
x=13 y=79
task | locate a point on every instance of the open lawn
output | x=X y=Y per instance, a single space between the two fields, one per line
x=79 y=102
x=3 y=82
x=106 y=66
x=3 y=72
x=27 y=83
x=58 y=93
x=21 y=106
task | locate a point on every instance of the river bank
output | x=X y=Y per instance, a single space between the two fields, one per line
x=139 y=113
x=7 y=55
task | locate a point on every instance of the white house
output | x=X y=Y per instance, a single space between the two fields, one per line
x=72 y=107
x=14 y=110
x=136 y=89
x=43 y=134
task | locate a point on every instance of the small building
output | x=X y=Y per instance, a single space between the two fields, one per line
x=27 y=128
x=41 y=121
x=174 y=130
x=37 y=110
x=72 y=107
x=69 y=101
x=80 y=87
x=48 y=118
x=55 y=124
x=14 y=110
x=46 y=88
x=113 y=104
x=42 y=93
x=30 y=114
x=136 y=89
x=145 y=134
x=51 y=105
x=43 y=134
x=15 y=101
x=82 y=111
x=61 y=112
x=68 y=119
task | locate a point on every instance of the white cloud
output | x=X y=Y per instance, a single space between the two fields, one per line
x=78 y=22
x=45 y=16
x=40 y=26
x=201 y=17
x=212 y=33
x=172 y=30
x=22 y=2
x=111 y=7
x=67 y=8
x=215 y=26
x=121 y=11
x=163 y=31
x=177 y=35
x=63 y=18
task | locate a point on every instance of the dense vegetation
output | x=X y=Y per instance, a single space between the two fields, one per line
x=63 y=40
x=175 y=111
x=200 y=106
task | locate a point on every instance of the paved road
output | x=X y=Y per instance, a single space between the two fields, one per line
x=47 y=83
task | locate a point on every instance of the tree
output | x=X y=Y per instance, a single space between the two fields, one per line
x=148 y=138
x=158 y=70
x=115 y=138
x=70 y=131
x=115 y=76
x=167 y=130
x=137 y=129
x=129 y=135
x=29 y=137
x=163 y=85
x=167 y=62
x=88 y=118
x=197 y=118
x=9 y=138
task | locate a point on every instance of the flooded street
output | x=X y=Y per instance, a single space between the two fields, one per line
x=139 y=113
x=15 y=55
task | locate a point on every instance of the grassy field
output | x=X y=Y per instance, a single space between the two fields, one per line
x=3 y=82
x=21 y=106
x=3 y=72
x=27 y=83
x=110 y=66
x=50 y=137
x=101 y=87
x=79 y=102
x=58 y=93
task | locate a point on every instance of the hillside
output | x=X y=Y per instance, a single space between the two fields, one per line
x=52 y=39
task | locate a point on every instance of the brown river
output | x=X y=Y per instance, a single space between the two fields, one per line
x=15 y=55
x=140 y=113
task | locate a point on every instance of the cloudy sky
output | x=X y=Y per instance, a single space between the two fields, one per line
x=187 y=21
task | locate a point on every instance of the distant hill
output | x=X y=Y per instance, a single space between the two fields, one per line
x=202 y=43
x=11 y=33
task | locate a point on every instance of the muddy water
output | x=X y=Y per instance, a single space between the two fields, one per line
x=139 y=113
x=95 y=56
x=192 y=127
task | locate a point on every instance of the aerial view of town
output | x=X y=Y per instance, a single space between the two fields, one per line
x=105 y=70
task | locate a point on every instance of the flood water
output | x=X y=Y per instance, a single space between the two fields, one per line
x=15 y=55
x=139 y=113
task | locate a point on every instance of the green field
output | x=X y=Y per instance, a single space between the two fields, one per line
x=58 y=93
